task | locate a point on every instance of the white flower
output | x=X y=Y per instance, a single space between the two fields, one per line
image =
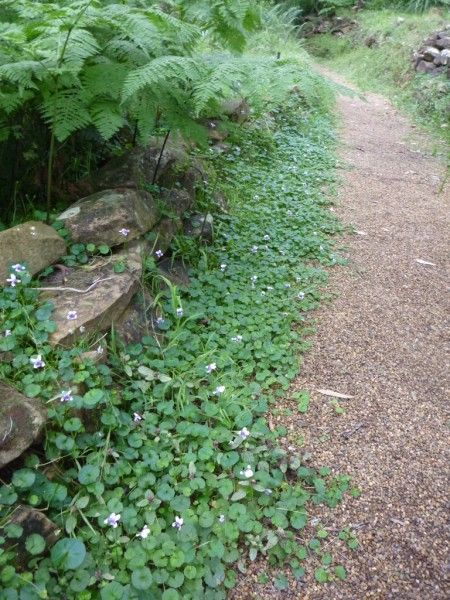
x=100 y=350
x=219 y=390
x=124 y=231
x=82 y=329
x=144 y=533
x=266 y=238
x=72 y=315
x=18 y=268
x=37 y=362
x=237 y=338
x=254 y=278
x=247 y=472
x=179 y=312
x=289 y=213
x=13 y=280
x=159 y=253
x=254 y=249
x=287 y=285
x=66 y=396
x=160 y=321
x=321 y=248
x=178 y=523
x=7 y=332
x=112 y=520
x=210 y=368
x=269 y=287
x=223 y=266
x=137 y=417
x=301 y=295
x=222 y=519
x=244 y=433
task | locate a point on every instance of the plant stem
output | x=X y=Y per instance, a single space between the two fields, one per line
x=51 y=153
x=160 y=156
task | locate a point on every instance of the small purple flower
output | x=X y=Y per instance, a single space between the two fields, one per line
x=137 y=417
x=237 y=338
x=179 y=312
x=100 y=350
x=82 y=329
x=7 y=333
x=37 y=362
x=244 y=433
x=219 y=390
x=254 y=249
x=159 y=253
x=222 y=519
x=13 y=280
x=112 y=520
x=18 y=268
x=178 y=523
x=124 y=231
x=223 y=266
x=266 y=238
x=301 y=295
x=160 y=321
x=210 y=368
x=144 y=533
x=66 y=396
x=287 y=285
x=254 y=279
x=72 y=315
x=268 y=492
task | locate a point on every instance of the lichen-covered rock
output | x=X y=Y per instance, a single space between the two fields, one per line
x=176 y=202
x=81 y=313
x=32 y=521
x=201 y=226
x=21 y=423
x=111 y=217
x=32 y=243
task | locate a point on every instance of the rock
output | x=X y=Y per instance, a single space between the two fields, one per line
x=430 y=53
x=445 y=57
x=32 y=243
x=425 y=67
x=162 y=235
x=32 y=521
x=97 y=357
x=175 y=271
x=176 y=202
x=200 y=225
x=137 y=320
x=443 y=43
x=221 y=148
x=221 y=201
x=136 y=168
x=96 y=310
x=216 y=130
x=99 y=218
x=237 y=110
x=21 y=423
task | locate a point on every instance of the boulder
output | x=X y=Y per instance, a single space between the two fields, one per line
x=32 y=243
x=32 y=521
x=430 y=53
x=137 y=320
x=216 y=130
x=136 y=168
x=90 y=301
x=175 y=271
x=176 y=202
x=237 y=110
x=111 y=217
x=443 y=43
x=162 y=235
x=425 y=67
x=21 y=423
x=201 y=226
x=445 y=57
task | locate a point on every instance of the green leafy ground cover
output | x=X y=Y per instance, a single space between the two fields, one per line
x=164 y=475
x=386 y=66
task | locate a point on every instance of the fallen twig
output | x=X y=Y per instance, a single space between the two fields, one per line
x=350 y=432
x=71 y=289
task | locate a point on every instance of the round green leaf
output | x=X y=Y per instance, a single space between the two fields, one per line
x=23 y=478
x=35 y=544
x=170 y=594
x=68 y=554
x=88 y=474
x=142 y=578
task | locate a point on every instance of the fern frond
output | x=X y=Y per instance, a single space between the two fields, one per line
x=65 y=112
x=107 y=118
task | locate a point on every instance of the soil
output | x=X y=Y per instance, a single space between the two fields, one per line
x=382 y=341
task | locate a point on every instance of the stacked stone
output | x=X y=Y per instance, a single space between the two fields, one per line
x=434 y=56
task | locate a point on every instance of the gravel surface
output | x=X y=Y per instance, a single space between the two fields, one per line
x=382 y=340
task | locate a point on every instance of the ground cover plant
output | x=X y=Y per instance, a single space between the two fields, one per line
x=163 y=473
x=385 y=64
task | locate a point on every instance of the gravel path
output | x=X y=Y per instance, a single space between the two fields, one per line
x=382 y=341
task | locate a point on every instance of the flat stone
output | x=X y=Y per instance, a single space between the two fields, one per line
x=201 y=226
x=425 y=67
x=443 y=43
x=21 y=423
x=99 y=218
x=430 y=53
x=33 y=243
x=32 y=521
x=99 y=308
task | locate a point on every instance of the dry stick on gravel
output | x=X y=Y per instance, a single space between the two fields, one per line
x=383 y=339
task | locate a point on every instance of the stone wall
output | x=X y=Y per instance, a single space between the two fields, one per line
x=434 y=55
